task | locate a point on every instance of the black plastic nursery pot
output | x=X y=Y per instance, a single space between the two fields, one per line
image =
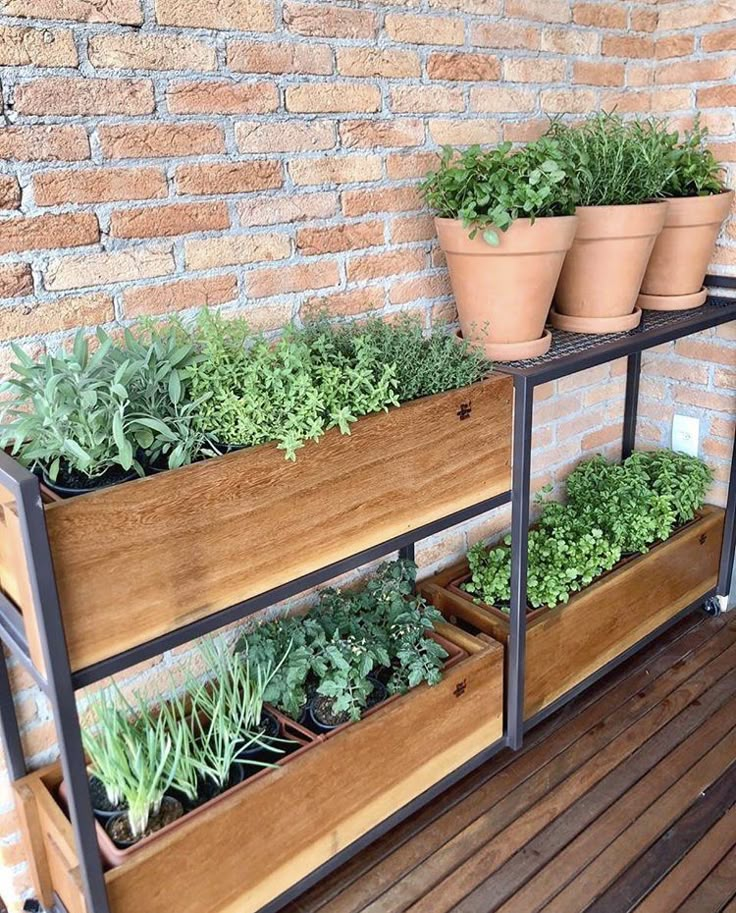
x=312 y=804
x=73 y=486
x=568 y=643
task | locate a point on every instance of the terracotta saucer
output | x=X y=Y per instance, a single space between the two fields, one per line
x=595 y=324
x=515 y=351
x=672 y=302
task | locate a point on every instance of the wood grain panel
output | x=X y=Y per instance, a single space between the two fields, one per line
x=139 y=559
x=341 y=788
x=566 y=644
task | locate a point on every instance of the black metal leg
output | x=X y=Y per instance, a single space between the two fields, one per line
x=407 y=552
x=633 y=372
x=61 y=690
x=11 y=741
x=725 y=573
x=523 y=408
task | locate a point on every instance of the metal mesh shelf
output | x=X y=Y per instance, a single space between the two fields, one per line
x=571 y=352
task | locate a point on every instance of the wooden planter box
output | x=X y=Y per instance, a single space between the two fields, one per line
x=246 y=849
x=136 y=560
x=567 y=644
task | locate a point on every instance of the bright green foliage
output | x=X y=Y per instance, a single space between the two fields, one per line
x=289 y=392
x=615 y=161
x=695 y=171
x=612 y=509
x=347 y=636
x=620 y=499
x=682 y=480
x=490 y=189
x=421 y=364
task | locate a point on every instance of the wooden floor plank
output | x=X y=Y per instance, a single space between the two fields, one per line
x=610 y=806
x=590 y=884
x=536 y=770
x=716 y=890
x=684 y=638
x=693 y=868
x=481 y=848
x=624 y=895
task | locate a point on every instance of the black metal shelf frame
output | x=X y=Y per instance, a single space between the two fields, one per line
x=570 y=354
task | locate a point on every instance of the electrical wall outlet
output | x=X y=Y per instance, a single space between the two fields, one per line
x=685 y=434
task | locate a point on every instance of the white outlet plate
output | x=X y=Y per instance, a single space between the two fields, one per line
x=685 y=434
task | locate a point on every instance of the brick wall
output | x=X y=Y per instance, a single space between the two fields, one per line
x=161 y=155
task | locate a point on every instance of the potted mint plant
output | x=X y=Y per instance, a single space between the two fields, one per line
x=505 y=221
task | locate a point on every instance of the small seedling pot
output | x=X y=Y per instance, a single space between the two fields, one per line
x=171 y=811
x=113 y=476
x=318 y=723
x=261 y=751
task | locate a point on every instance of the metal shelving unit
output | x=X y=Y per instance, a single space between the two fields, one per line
x=570 y=354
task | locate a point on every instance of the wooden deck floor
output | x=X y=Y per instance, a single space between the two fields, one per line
x=623 y=801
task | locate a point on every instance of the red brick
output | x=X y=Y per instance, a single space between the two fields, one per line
x=245 y=15
x=533 y=69
x=543 y=10
x=464 y=132
x=358 y=301
x=674 y=46
x=525 y=131
x=279 y=57
x=16 y=280
x=48 y=232
x=296 y=207
x=378 y=62
x=54 y=188
x=392 y=263
x=70 y=97
x=235 y=250
x=300 y=277
x=123 y=12
x=705 y=351
x=627 y=46
x=209 y=97
x=349 y=236
x=158 y=140
x=35 y=144
x=689 y=71
x=52 y=317
x=594 y=73
x=402 y=165
x=167 y=221
x=599 y=15
x=387 y=134
x=365 y=202
x=458 y=66
x=178 y=296
x=21 y=46
x=129 y=51
x=501 y=99
x=107 y=267
x=427 y=100
x=574 y=101
x=505 y=35
x=9 y=192
x=644 y=20
x=694 y=15
x=332 y=97
x=343 y=169
x=285 y=136
x=324 y=21
x=413 y=29
x=718 y=402
x=424 y=287
x=672 y=99
x=717 y=96
x=722 y=40
x=406 y=229
x=230 y=177
x=570 y=41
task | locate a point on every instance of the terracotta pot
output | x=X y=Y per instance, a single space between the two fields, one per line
x=603 y=271
x=503 y=293
x=679 y=261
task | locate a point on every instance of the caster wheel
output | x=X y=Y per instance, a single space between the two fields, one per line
x=714 y=605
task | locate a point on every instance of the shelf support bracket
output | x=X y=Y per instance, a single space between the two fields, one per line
x=520 y=484
x=631 y=403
